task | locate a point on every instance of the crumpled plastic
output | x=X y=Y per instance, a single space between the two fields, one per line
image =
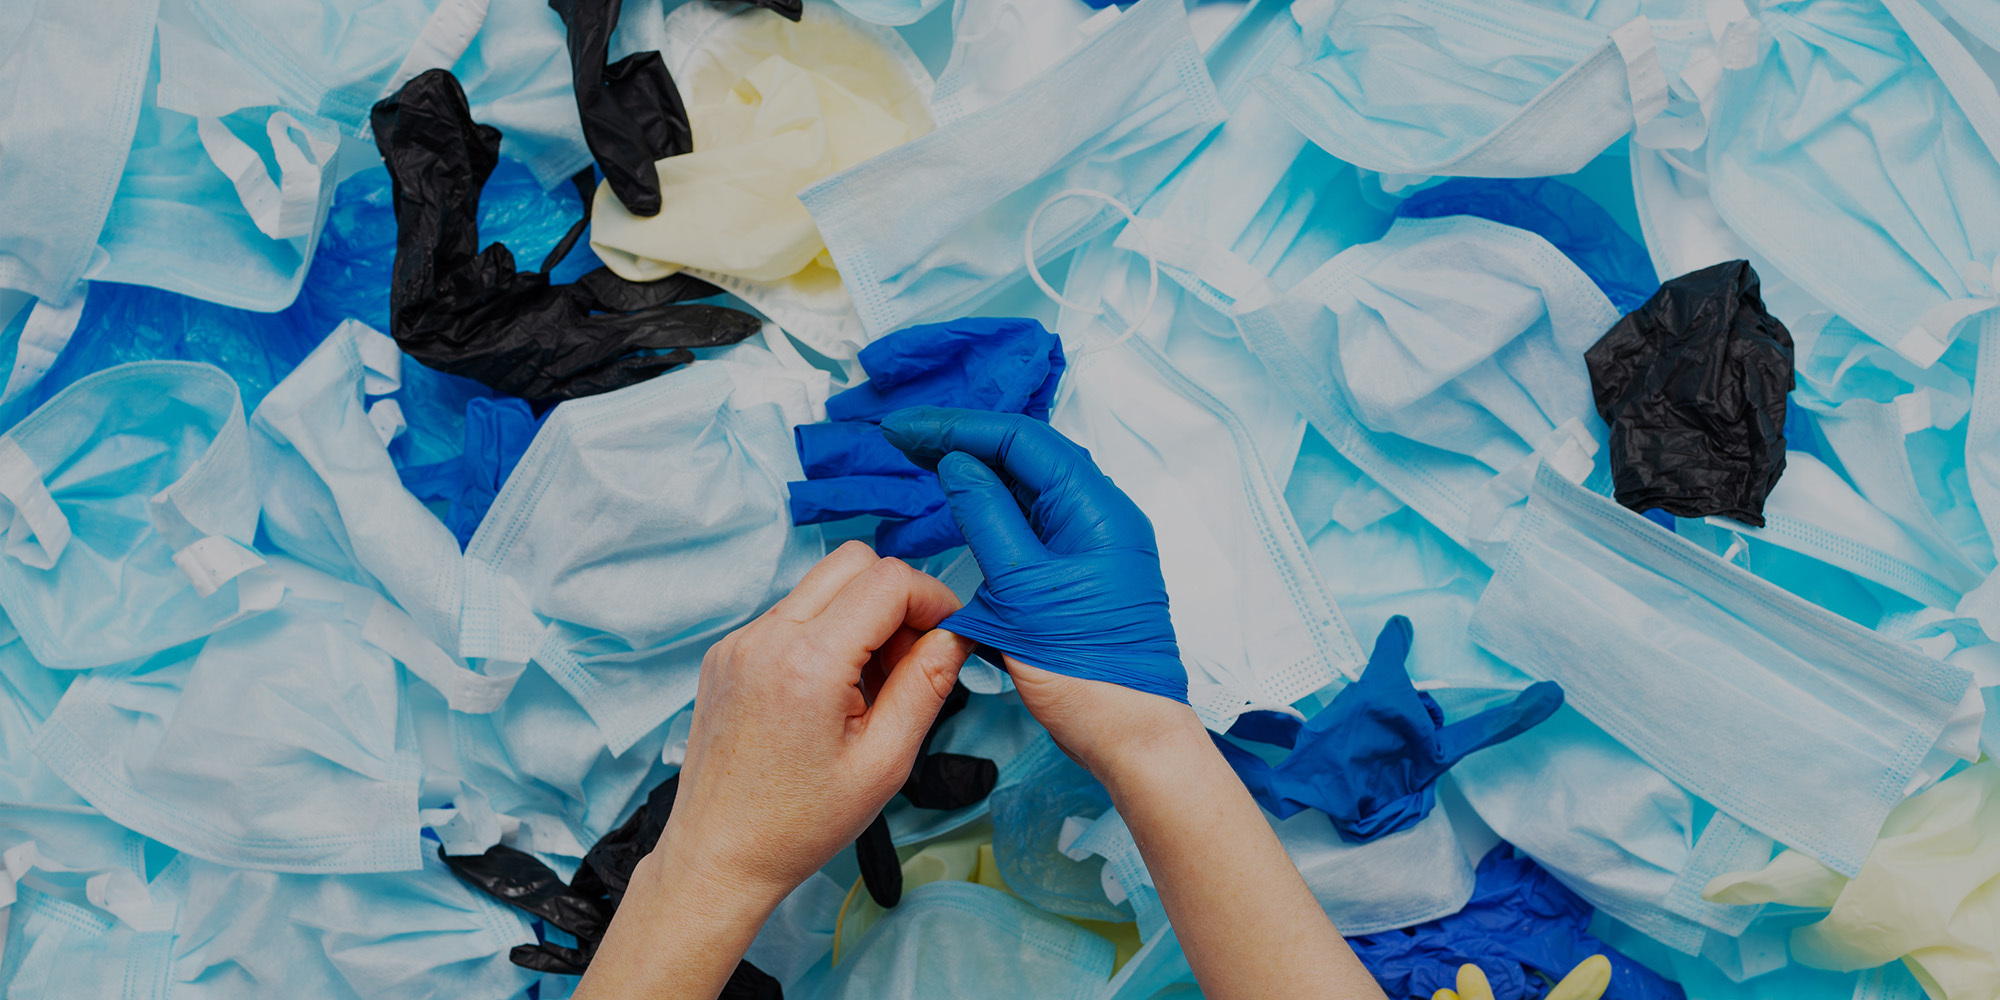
x=1693 y=385
x=632 y=114
x=1521 y=925
x=467 y=311
x=1554 y=211
x=982 y=363
x=497 y=433
x=775 y=107
x=1929 y=892
x=1371 y=759
x=584 y=907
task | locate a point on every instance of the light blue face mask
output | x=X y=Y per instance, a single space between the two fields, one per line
x=1256 y=625
x=115 y=551
x=656 y=559
x=420 y=933
x=931 y=228
x=76 y=915
x=965 y=941
x=295 y=697
x=1887 y=241
x=1612 y=828
x=28 y=693
x=1492 y=88
x=73 y=74
x=1466 y=338
x=1664 y=646
x=200 y=211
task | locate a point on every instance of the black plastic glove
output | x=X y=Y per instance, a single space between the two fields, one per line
x=467 y=311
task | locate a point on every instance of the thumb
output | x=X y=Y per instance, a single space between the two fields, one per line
x=911 y=698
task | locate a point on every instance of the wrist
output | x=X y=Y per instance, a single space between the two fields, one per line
x=1158 y=745
x=724 y=895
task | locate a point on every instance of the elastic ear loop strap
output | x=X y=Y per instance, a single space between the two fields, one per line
x=1152 y=265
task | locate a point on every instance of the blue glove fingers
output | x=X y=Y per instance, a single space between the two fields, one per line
x=817 y=500
x=1499 y=724
x=920 y=536
x=987 y=515
x=849 y=449
x=1078 y=507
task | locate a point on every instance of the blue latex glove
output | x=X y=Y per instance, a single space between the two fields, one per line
x=1072 y=585
x=984 y=363
x=1566 y=217
x=1371 y=759
x=1521 y=924
x=498 y=431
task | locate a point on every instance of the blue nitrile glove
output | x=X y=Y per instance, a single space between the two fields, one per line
x=1074 y=585
x=1370 y=760
x=498 y=431
x=985 y=363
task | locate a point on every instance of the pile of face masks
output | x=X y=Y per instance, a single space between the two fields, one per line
x=1632 y=368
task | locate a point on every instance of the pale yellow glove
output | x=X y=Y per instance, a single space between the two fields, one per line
x=1587 y=981
x=1472 y=984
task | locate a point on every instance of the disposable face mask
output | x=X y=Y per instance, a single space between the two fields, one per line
x=75 y=73
x=1394 y=881
x=997 y=46
x=408 y=934
x=1446 y=362
x=1254 y=622
x=775 y=106
x=890 y=12
x=94 y=575
x=1469 y=89
x=31 y=693
x=1783 y=174
x=1662 y=646
x=295 y=696
x=933 y=227
x=199 y=211
x=59 y=947
x=960 y=939
x=622 y=610
x=1929 y=891
x=1612 y=828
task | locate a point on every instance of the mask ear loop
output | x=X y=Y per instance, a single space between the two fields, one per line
x=1152 y=265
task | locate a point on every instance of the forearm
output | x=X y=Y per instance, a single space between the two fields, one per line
x=677 y=935
x=1248 y=923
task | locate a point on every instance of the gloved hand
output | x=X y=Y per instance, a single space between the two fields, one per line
x=1073 y=581
x=981 y=363
x=1370 y=760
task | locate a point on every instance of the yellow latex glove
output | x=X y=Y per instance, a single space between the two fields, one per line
x=774 y=107
x=1472 y=984
x=1928 y=893
x=1587 y=981
x=1444 y=995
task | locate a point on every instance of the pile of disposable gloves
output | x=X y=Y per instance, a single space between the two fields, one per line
x=1568 y=432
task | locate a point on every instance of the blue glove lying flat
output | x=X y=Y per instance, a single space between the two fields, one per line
x=1371 y=759
x=1003 y=365
x=1073 y=580
x=498 y=431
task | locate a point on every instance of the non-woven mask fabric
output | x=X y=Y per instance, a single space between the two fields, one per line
x=131 y=509
x=200 y=211
x=924 y=948
x=410 y=934
x=277 y=744
x=931 y=228
x=1662 y=645
x=1887 y=240
x=1446 y=362
x=336 y=60
x=1493 y=88
x=998 y=46
x=775 y=106
x=641 y=526
x=73 y=75
x=1404 y=878
x=1612 y=828
x=56 y=946
x=1255 y=624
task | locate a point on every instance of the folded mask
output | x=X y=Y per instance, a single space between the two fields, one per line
x=1883 y=239
x=1446 y=362
x=1664 y=645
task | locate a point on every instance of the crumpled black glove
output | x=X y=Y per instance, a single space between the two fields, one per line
x=937 y=781
x=467 y=311
x=584 y=907
x=631 y=111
